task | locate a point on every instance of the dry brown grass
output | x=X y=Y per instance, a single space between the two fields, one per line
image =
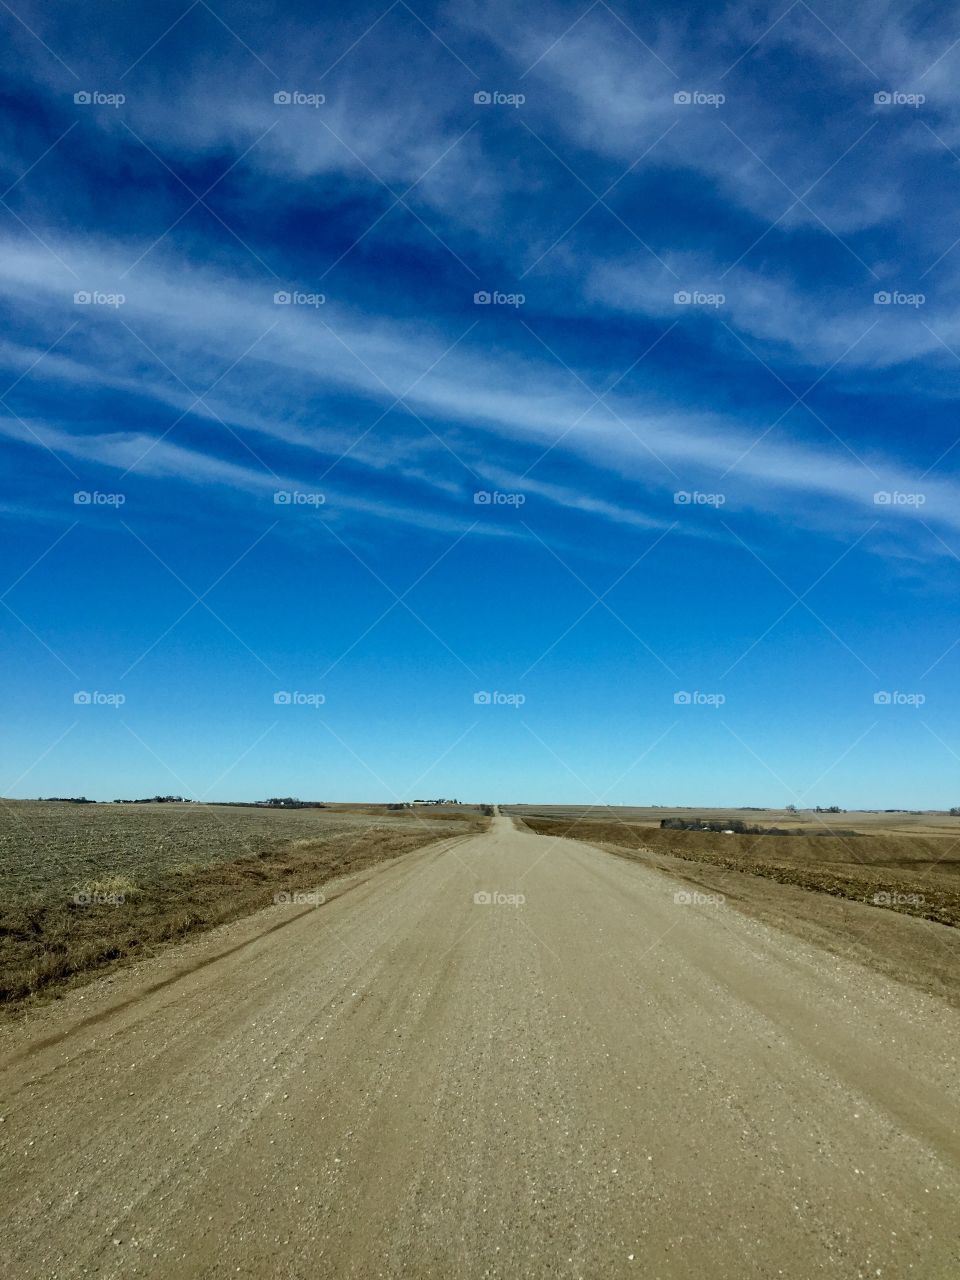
x=89 y=887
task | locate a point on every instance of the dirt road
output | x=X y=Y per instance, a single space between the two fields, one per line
x=598 y=1081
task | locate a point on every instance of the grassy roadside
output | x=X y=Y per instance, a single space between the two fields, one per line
x=132 y=901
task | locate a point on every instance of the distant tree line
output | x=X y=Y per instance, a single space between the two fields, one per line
x=289 y=802
x=156 y=800
x=735 y=826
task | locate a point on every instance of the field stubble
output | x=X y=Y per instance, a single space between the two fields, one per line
x=90 y=886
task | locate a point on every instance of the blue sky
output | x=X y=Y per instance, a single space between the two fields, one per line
x=251 y=398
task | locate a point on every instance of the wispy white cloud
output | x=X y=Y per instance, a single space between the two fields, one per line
x=472 y=396
x=145 y=455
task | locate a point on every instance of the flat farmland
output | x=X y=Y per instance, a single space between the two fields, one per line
x=88 y=886
x=863 y=821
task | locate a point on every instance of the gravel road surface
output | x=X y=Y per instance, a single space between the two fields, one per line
x=579 y=1077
